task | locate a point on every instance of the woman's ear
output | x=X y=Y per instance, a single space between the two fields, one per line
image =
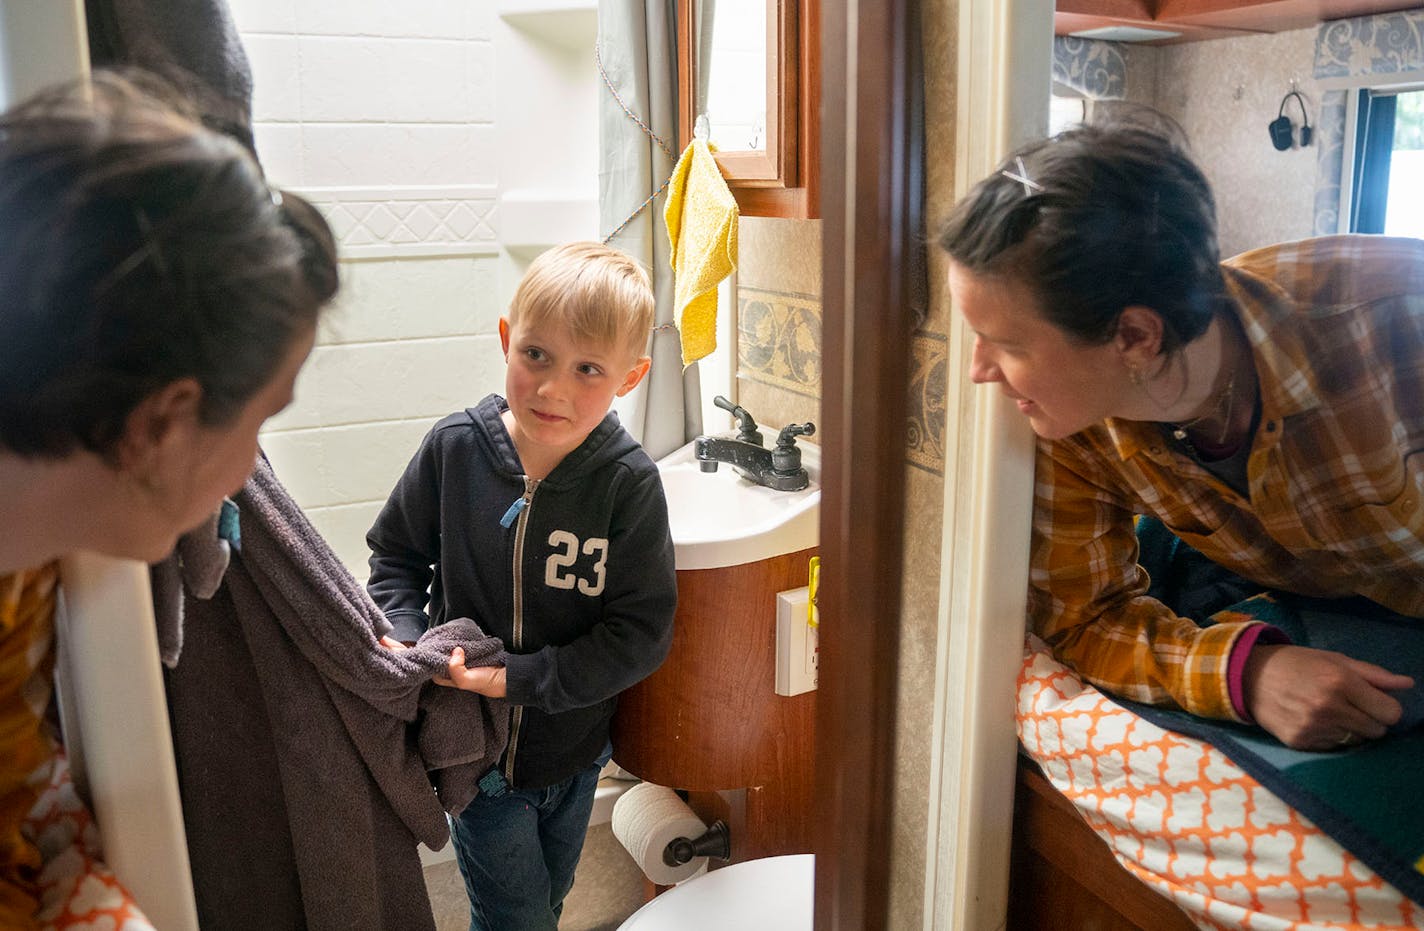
x=1139 y=336
x=168 y=416
x=635 y=375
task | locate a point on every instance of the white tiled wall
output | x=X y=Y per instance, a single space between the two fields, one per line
x=385 y=114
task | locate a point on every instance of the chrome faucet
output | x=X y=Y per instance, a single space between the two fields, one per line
x=778 y=468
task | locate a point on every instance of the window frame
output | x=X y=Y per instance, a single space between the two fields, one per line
x=1349 y=182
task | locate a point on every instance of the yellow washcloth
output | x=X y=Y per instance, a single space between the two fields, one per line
x=701 y=218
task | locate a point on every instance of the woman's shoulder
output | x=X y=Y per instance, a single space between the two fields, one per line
x=1330 y=275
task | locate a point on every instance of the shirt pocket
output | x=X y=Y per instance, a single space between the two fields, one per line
x=1382 y=527
x=1200 y=519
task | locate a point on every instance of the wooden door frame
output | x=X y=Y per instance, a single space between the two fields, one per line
x=869 y=191
x=871 y=162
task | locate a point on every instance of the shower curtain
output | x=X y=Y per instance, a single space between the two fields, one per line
x=637 y=46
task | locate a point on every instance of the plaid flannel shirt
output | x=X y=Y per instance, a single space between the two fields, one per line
x=27 y=602
x=1336 y=476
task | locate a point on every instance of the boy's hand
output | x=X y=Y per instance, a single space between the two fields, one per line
x=485 y=680
x=395 y=646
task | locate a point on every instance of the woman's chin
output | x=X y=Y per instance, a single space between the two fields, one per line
x=1046 y=428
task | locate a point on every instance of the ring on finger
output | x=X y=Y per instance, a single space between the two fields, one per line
x=1349 y=738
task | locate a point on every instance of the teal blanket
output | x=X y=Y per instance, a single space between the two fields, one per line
x=1366 y=797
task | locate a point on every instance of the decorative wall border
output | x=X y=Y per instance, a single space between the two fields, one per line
x=1355 y=53
x=1390 y=43
x=407 y=222
x=927 y=417
x=1092 y=67
x=779 y=339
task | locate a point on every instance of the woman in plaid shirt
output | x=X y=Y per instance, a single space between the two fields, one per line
x=1268 y=409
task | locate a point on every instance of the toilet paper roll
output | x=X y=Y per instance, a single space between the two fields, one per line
x=645 y=819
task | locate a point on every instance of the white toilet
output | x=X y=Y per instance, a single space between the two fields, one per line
x=772 y=894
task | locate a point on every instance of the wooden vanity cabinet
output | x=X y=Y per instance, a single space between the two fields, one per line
x=709 y=720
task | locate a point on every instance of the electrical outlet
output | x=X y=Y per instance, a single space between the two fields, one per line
x=796 y=643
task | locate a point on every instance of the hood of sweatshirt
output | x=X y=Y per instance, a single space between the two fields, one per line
x=606 y=443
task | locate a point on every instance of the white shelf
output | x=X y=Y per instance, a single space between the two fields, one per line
x=533 y=220
x=570 y=24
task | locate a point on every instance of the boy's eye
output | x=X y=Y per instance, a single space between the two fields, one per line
x=589 y=369
x=535 y=353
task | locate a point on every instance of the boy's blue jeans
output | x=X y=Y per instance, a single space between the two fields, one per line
x=517 y=851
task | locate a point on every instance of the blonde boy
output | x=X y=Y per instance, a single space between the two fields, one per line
x=537 y=515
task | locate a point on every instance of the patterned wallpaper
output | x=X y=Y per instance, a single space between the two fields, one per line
x=779 y=321
x=925 y=429
x=1224 y=92
x=1093 y=68
x=779 y=339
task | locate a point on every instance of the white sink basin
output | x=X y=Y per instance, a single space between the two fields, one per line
x=721 y=519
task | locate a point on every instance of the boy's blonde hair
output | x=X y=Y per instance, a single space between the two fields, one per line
x=601 y=295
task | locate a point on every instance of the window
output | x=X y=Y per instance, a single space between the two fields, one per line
x=1065 y=111
x=1388 y=180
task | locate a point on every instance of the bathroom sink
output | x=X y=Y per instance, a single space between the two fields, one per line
x=721 y=519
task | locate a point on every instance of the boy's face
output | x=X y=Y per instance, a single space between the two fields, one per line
x=558 y=389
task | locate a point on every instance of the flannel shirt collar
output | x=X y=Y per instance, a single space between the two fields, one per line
x=1267 y=315
x=1270 y=318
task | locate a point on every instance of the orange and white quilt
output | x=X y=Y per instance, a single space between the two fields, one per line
x=1187 y=821
x=78 y=892
x=51 y=875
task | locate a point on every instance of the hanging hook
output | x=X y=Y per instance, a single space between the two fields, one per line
x=702 y=127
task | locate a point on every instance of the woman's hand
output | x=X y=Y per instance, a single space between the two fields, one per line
x=394 y=645
x=486 y=680
x=1318 y=700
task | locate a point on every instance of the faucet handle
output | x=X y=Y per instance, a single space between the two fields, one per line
x=786 y=458
x=746 y=427
x=789 y=433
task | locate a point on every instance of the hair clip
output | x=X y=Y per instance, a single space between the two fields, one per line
x=148 y=249
x=1022 y=177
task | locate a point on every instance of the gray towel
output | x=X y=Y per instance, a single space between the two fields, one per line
x=196 y=565
x=305 y=744
x=329 y=617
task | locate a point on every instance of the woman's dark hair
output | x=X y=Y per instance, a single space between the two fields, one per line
x=140 y=248
x=1113 y=215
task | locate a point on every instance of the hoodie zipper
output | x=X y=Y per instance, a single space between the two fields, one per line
x=521 y=509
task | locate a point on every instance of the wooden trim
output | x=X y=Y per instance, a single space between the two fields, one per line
x=754 y=169
x=1213 y=19
x=1064 y=875
x=783 y=179
x=786 y=65
x=776 y=166
x=1139 y=10
x=810 y=109
x=866 y=243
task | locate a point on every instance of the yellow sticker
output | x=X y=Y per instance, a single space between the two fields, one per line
x=813 y=616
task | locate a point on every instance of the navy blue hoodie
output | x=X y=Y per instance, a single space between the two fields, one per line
x=578 y=581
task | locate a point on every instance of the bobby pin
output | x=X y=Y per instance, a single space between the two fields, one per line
x=1022 y=177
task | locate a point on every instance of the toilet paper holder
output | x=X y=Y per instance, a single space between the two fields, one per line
x=716 y=841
